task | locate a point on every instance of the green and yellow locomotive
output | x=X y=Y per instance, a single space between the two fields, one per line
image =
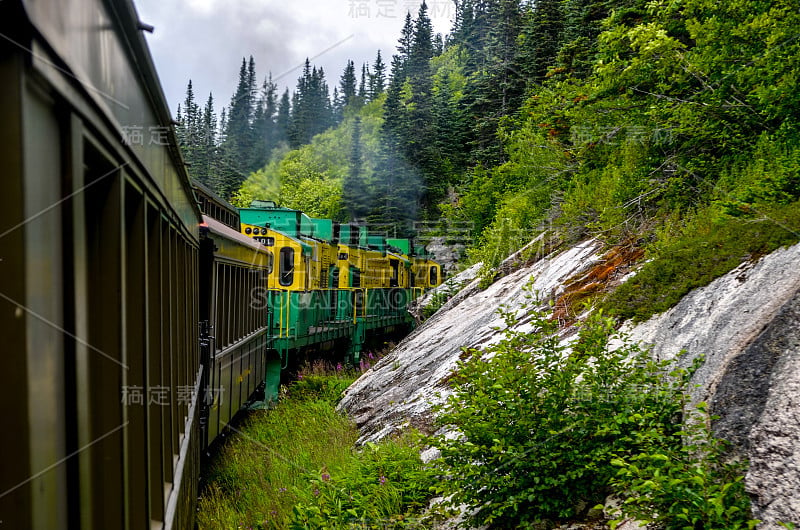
x=334 y=283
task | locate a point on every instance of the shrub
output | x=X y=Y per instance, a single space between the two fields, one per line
x=542 y=427
x=684 y=483
x=441 y=295
x=708 y=247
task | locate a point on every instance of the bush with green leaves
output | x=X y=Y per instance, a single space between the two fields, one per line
x=685 y=482
x=540 y=424
x=705 y=248
x=441 y=295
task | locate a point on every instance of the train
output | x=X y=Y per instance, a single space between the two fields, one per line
x=139 y=312
x=294 y=286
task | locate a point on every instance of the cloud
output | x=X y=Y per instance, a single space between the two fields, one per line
x=205 y=40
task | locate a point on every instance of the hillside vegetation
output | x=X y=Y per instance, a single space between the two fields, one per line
x=668 y=126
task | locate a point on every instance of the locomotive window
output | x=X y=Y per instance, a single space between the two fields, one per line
x=286 y=266
x=434 y=276
x=394 y=281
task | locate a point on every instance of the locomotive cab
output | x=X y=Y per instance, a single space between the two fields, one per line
x=293 y=258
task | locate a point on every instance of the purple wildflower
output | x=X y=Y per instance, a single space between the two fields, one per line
x=325 y=477
x=282 y=490
x=315 y=492
x=382 y=480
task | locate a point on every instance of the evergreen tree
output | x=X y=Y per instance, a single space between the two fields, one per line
x=264 y=128
x=463 y=23
x=406 y=38
x=420 y=149
x=582 y=24
x=347 y=85
x=355 y=195
x=312 y=112
x=422 y=44
x=438 y=44
x=283 y=119
x=362 y=87
x=497 y=86
x=338 y=106
x=189 y=133
x=449 y=133
x=208 y=145
x=541 y=39
x=240 y=139
x=377 y=78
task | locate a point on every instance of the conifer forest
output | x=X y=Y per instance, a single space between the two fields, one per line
x=669 y=125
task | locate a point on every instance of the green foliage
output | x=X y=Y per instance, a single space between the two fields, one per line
x=260 y=476
x=684 y=483
x=382 y=488
x=321 y=387
x=543 y=429
x=539 y=424
x=311 y=177
x=295 y=467
x=441 y=295
x=651 y=113
x=708 y=246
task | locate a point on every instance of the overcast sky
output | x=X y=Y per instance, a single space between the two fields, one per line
x=205 y=40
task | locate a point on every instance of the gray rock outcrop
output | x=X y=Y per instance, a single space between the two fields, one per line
x=404 y=385
x=745 y=324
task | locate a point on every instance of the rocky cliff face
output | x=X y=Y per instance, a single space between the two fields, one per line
x=745 y=324
x=446 y=254
x=401 y=389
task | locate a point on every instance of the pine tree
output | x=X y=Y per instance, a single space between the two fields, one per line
x=355 y=195
x=189 y=133
x=377 y=78
x=263 y=127
x=299 y=123
x=283 y=119
x=362 y=87
x=438 y=44
x=338 y=106
x=312 y=112
x=462 y=25
x=497 y=87
x=240 y=139
x=179 y=130
x=541 y=39
x=422 y=44
x=347 y=85
x=406 y=38
x=208 y=145
x=420 y=145
x=582 y=24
